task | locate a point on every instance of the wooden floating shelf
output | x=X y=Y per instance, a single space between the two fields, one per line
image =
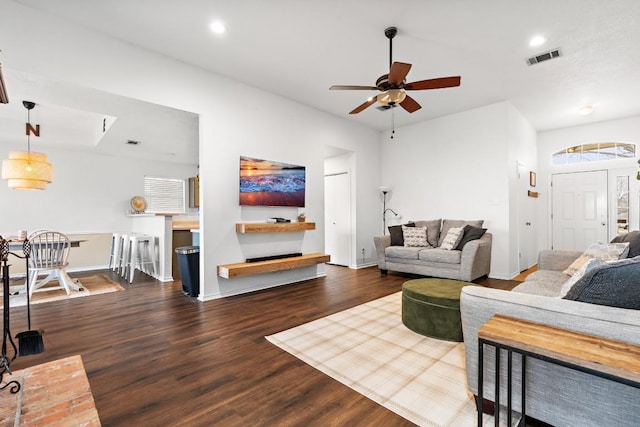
x=268 y=227
x=229 y=271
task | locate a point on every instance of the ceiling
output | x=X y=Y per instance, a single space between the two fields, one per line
x=299 y=48
x=79 y=118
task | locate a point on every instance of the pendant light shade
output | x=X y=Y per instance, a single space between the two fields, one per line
x=25 y=170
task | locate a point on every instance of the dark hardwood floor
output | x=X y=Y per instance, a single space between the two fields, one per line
x=155 y=357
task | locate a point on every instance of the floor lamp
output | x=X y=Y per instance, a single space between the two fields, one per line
x=385 y=190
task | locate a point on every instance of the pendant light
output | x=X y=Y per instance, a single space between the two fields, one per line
x=27 y=170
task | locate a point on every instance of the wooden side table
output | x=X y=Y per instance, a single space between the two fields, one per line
x=617 y=361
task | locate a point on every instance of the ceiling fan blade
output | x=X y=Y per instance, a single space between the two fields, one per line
x=398 y=72
x=350 y=87
x=410 y=104
x=439 y=83
x=366 y=104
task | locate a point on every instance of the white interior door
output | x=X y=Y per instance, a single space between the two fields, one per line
x=527 y=224
x=579 y=209
x=337 y=217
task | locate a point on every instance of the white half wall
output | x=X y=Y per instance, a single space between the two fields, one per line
x=235 y=120
x=90 y=192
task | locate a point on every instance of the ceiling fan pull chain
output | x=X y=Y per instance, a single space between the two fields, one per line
x=393 y=123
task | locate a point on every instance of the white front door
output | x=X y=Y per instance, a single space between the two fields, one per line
x=337 y=217
x=579 y=209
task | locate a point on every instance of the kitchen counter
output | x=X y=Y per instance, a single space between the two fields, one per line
x=186 y=225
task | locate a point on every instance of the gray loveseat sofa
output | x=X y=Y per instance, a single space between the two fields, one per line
x=558 y=395
x=471 y=261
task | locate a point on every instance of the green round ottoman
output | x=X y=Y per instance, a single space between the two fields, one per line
x=431 y=307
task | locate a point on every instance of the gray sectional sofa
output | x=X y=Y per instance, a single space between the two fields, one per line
x=557 y=395
x=469 y=262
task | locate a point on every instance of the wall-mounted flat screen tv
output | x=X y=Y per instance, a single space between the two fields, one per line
x=269 y=183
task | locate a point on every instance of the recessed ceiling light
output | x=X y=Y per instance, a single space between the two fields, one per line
x=218 y=27
x=586 y=109
x=537 y=41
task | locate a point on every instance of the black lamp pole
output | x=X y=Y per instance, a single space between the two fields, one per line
x=384 y=211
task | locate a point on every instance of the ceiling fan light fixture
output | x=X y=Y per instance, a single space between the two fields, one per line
x=392 y=96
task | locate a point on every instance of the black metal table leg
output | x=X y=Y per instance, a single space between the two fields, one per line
x=509 y=385
x=479 y=403
x=496 y=411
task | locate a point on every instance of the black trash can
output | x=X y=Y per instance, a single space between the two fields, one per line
x=189 y=264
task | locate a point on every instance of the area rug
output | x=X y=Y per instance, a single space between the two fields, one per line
x=52 y=394
x=368 y=349
x=91 y=285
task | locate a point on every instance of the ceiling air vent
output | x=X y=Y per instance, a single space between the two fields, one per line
x=545 y=56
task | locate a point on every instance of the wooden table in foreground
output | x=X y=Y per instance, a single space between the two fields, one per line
x=617 y=361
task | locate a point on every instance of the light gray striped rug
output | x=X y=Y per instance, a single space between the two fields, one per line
x=369 y=349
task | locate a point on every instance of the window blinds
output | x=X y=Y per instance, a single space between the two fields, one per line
x=164 y=195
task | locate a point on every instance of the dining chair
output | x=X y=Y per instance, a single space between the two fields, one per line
x=38 y=231
x=49 y=254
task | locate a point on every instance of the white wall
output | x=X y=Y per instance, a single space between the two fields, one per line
x=234 y=120
x=459 y=167
x=549 y=142
x=522 y=149
x=90 y=193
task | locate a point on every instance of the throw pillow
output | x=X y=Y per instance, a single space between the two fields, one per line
x=433 y=230
x=395 y=231
x=577 y=264
x=587 y=265
x=633 y=238
x=449 y=223
x=469 y=233
x=453 y=237
x=603 y=251
x=415 y=236
x=615 y=284
x=608 y=251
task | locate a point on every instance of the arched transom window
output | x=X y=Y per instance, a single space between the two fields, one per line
x=594 y=152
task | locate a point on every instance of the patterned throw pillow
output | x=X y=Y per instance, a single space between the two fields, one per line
x=608 y=251
x=415 y=236
x=603 y=251
x=453 y=237
x=577 y=264
x=395 y=231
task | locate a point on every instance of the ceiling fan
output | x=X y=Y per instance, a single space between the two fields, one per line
x=393 y=86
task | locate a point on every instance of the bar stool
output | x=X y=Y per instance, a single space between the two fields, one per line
x=116 y=250
x=140 y=253
x=120 y=251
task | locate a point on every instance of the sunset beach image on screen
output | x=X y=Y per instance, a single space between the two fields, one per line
x=270 y=183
